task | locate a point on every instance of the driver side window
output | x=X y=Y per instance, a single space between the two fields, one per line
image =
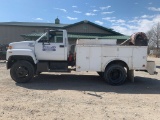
x=53 y=38
x=56 y=38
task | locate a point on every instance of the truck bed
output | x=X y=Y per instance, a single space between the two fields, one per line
x=96 y=57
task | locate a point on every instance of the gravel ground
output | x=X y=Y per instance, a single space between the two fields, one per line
x=79 y=96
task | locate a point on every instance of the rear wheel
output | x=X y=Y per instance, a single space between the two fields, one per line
x=115 y=74
x=22 y=71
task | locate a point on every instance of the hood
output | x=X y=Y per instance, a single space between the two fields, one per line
x=23 y=45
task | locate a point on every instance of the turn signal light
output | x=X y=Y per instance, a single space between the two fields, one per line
x=9 y=47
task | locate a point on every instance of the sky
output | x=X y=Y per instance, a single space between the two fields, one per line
x=124 y=16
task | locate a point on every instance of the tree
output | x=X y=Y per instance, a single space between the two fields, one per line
x=154 y=37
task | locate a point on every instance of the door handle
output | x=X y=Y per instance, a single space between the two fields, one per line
x=61 y=45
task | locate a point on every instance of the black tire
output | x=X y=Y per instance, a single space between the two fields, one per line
x=115 y=74
x=22 y=71
x=101 y=74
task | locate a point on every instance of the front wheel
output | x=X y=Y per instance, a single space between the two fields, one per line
x=22 y=71
x=115 y=74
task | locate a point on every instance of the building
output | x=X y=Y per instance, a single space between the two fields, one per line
x=19 y=31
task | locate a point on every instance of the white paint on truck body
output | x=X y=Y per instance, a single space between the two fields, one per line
x=97 y=57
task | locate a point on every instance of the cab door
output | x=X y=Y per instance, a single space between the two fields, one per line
x=53 y=50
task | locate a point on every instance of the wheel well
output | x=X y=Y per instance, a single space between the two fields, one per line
x=119 y=62
x=15 y=58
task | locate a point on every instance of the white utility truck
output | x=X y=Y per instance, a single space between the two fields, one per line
x=52 y=53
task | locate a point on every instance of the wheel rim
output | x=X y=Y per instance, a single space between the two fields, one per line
x=115 y=75
x=22 y=72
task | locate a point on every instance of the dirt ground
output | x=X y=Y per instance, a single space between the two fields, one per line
x=80 y=96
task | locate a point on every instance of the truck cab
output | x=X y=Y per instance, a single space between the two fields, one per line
x=53 y=45
x=49 y=53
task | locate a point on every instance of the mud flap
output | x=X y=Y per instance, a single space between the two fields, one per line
x=130 y=75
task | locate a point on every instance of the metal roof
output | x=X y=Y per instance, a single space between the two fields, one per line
x=64 y=26
x=96 y=25
x=119 y=37
x=34 y=24
x=100 y=37
x=124 y=37
x=53 y=25
x=34 y=36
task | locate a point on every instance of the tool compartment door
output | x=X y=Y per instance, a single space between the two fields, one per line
x=139 y=57
x=88 y=58
x=82 y=58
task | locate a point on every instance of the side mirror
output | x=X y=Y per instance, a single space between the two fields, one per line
x=47 y=35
